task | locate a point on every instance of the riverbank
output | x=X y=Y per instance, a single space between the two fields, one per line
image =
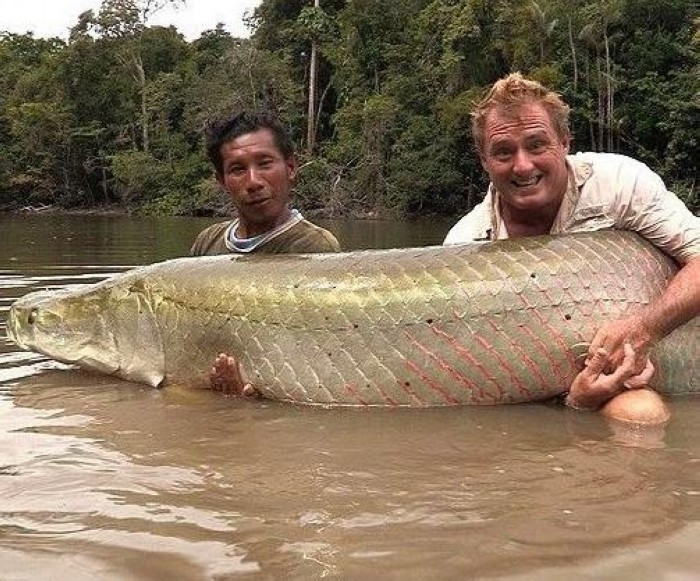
x=116 y=210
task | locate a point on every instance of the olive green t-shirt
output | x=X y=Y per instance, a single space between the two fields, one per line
x=304 y=237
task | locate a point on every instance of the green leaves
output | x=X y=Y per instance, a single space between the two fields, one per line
x=116 y=113
x=315 y=25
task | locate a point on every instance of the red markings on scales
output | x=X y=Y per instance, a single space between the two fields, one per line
x=571 y=359
x=477 y=393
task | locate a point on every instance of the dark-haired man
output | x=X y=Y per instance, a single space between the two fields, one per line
x=254 y=160
x=255 y=163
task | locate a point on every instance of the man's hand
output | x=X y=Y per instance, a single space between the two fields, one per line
x=593 y=386
x=228 y=377
x=613 y=337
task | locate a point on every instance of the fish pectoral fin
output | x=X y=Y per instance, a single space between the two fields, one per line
x=100 y=364
x=149 y=377
x=141 y=347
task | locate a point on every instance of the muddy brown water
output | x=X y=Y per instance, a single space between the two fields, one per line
x=104 y=479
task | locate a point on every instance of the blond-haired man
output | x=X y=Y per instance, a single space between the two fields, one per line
x=521 y=132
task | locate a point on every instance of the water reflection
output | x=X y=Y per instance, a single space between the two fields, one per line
x=97 y=240
x=298 y=491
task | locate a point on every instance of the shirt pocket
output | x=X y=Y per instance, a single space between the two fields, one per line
x=591 y=218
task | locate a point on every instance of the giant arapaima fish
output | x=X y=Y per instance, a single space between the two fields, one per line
x=492 y=323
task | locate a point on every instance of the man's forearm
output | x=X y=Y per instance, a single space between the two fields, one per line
x=678 y=304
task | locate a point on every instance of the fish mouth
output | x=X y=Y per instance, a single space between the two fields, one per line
x=11 y=329
x=17 y=315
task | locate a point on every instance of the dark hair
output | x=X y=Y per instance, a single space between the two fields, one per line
x=225 y=129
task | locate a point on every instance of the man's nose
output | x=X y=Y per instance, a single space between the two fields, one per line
x=522 y=163
x=254 y=178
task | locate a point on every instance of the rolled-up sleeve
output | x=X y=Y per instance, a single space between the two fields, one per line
x=647 y=207
x=475 y=226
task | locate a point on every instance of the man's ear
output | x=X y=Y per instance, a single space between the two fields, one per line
x=482 y=161
x=292 y=167
x=566 y=143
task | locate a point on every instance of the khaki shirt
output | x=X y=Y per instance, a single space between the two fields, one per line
x=304 y=237
x=605 y=190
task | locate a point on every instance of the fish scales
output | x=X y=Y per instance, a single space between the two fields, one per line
x=481 y=324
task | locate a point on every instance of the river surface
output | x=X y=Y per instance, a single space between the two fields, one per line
x=102 y=479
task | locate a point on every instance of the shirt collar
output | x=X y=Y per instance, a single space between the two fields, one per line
x=245 y=245
x=579 y=171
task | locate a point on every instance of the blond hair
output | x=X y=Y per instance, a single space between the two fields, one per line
x=512 y=92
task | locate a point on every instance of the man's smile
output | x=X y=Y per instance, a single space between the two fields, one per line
x=526 y=183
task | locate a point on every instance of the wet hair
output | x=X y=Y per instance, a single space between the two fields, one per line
x=509 y=94
x=222 y=130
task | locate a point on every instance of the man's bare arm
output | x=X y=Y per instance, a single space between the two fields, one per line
x=678 y=304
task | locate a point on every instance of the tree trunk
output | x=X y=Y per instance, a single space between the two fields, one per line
x=141 y=79
x=317 y=120
x=601 y=107
x=572 y=46
x=311 y=114
x=609 y=94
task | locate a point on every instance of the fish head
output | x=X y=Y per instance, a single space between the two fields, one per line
x=104 y=328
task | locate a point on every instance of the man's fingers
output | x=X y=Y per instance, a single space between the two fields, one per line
x=642 y=379
x=225 y=375
x=222 y=362
x=609 y=343
x=596 y=363
x=648 y=371
x=626 y=368
x=241 y=373
x=642 y=362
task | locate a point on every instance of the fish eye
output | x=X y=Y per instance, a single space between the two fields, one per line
x=32 y=316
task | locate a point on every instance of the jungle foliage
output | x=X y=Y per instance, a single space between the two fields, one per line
x=113 y=115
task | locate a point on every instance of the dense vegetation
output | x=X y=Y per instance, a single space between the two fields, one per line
x=112 y=117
